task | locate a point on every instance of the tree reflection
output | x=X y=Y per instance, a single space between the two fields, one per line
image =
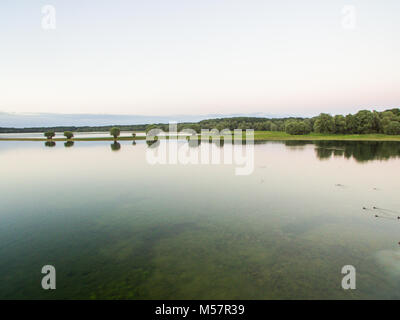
x=194 y=142
x=153 y=143
x=361 y=151
x=297 y=143
x=115 y=146
x=50 y=144
x=69 y=144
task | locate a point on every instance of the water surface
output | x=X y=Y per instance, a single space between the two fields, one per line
x=116 y=227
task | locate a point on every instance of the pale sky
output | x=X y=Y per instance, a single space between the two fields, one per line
x=160 y=57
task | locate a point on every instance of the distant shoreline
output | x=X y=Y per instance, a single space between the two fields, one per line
x=258 y=136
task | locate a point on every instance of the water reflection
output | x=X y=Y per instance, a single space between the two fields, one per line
x=153 y=143
x=295 y=143
x=115 y=146
x=361 y=151
x=49 y=144
x=194 y=143
x=201 y=225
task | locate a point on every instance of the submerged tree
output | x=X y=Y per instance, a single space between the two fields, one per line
x=68 y=134
x=115 y=132
x=49 y=134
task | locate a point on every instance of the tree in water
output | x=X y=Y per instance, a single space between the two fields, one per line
x=115 y=132
x=49 y=134
x=69 y=135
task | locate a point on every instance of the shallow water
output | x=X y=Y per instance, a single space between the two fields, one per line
x=103 y=134
x=115 y=226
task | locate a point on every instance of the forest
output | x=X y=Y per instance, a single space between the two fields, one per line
x=363 y=122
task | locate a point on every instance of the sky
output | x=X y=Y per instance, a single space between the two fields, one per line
x=159 y=57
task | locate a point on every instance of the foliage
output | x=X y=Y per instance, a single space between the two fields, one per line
x=115 y=132
x=393 y=128
x=68 y=134
x=49 y=134
x=363 y=122
x=324 y=124
x=340 y=124
x=296 y=127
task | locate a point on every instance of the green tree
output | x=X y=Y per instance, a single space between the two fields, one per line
x=296 y=127
x=68 y=134
x=393 y=128
x=340 y=124
x=377 y=125
x=386 y=118
x=365 y=122
x=150 y=127
x=351 y=125
x=49 y=134
x=308 y=125
x=259 y=126
x=274 y=127
x=267 y=125
x=115 y=132
x=324 y=123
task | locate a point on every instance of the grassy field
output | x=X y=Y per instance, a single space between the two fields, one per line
x=258 y=135
x=274 y=135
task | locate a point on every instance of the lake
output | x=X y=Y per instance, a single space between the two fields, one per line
x=116 y=227
x=61 y=135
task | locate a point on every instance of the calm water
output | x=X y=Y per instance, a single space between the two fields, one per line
x=115 y=226
x=61 y=134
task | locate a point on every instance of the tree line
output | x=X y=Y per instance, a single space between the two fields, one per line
x=363 y=122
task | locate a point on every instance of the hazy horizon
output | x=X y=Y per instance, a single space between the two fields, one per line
x=195 y=58
x=32 y=119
